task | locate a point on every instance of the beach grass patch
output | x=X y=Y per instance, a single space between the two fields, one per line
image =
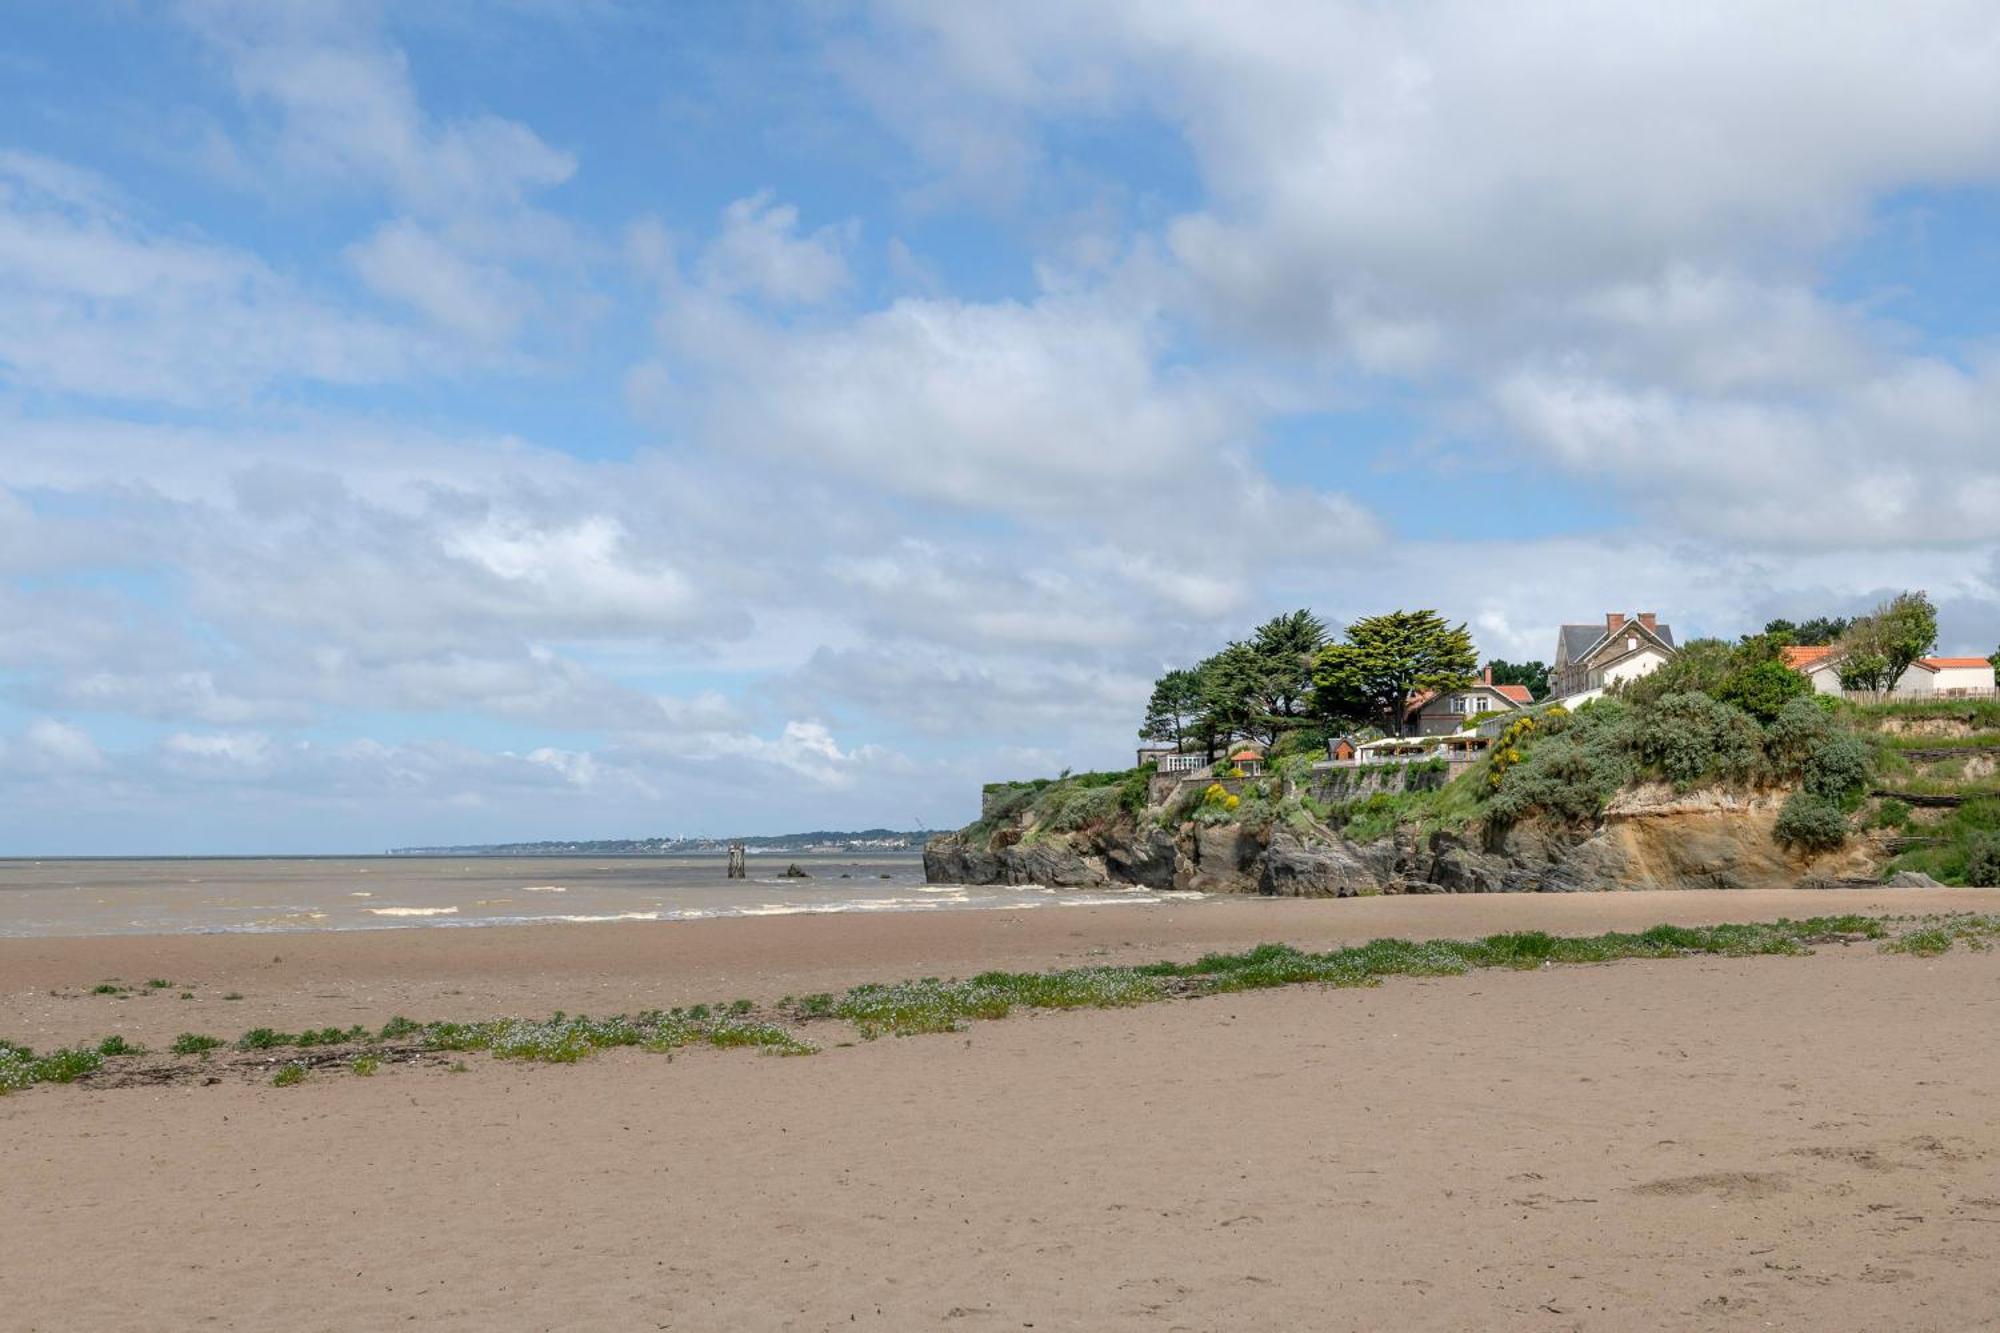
x=64 y=1066
x=115 y=1045
x=160 y=983
x=289 y=1076
x=107 y=988
x=729 y=1033
x=364 y=1066
x=194 y=1043
x=820 y=1005
x=264 y=1039
x=1940 y=934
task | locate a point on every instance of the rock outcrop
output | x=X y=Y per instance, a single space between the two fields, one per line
x=1650 y=837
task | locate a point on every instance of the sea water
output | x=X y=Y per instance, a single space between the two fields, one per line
x=275 y=894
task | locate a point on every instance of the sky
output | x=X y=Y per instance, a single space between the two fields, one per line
x=484 y=422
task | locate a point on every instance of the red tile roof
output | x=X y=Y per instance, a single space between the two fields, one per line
x=1518 y=693
x=1940 y=662
x=1800 y=656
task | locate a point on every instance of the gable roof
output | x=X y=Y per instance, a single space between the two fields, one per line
x=1517 y=695
x=1576 y=642
x=1811 y=657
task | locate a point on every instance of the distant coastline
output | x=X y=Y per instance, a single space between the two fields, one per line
x=821 y=840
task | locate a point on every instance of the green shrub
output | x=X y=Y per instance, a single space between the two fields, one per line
x=1068 y=808
x=1892 y=813
x=1690 y=736
x=1811 y=823
x=1838 y=769
x=1763 y=690
x=1982 y=862
x=194 y=1043
x=1572 y=768
x=1801 y=728
x=289 y=1076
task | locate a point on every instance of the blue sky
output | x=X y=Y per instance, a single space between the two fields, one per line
x=471 y=422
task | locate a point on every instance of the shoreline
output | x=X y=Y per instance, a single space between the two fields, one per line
x=366 y=977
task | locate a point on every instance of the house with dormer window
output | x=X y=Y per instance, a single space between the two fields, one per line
x=1592 y=658
x=1442 y=712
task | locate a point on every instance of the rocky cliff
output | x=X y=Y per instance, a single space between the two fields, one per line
x=1650 y=837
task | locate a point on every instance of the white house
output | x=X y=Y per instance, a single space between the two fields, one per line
x=1927 y=677
x=1592 y=658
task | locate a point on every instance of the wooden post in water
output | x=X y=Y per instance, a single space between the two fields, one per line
x=736 y=870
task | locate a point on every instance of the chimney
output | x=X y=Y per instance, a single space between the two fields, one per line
x=1651 y=620
x=1487 y=679
x=1613 y=621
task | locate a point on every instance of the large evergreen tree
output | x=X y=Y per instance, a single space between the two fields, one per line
x=1385 y=661
x=1173 y=714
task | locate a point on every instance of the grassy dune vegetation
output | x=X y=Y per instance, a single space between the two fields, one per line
x=933 y=1005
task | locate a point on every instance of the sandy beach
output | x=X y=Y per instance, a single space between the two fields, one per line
x=1700 y=1143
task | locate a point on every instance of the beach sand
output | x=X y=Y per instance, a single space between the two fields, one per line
x=1702 y=1143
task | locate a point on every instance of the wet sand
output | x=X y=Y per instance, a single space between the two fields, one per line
x=342 y=978
x=1702 y=1143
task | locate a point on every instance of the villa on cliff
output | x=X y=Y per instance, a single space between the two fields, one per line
x=1591 y=658
x=1926 y=678
x=1440 y=713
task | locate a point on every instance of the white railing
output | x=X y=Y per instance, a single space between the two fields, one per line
x=1384 y=760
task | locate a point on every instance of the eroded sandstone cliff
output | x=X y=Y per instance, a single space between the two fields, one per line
x=1650 y=837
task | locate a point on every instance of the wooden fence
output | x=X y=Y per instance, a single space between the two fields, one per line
x=1938 y=696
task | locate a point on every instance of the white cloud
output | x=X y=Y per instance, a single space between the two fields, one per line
x=760 y=250
x=1051 y=406
x=1608 y=223
x=59 y=746
x=93 y=303
x=406 y=263
x=347 y=112
x=234 y=753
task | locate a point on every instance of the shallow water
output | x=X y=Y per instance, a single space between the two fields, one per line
x=172 y=896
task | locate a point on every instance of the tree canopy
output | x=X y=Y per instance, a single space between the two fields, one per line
x=1814 y=633
x=1174 y=711
x=1256 y=687
x=1879 y=647
x=1534 y=675
x=1386 y=660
